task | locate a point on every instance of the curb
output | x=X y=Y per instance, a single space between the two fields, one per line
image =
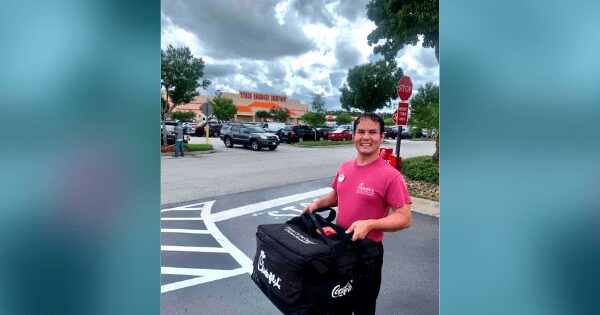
x=190 y=153
x=425 y=206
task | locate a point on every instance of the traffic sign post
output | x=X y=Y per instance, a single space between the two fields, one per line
x=207 y=110
x=401 y=114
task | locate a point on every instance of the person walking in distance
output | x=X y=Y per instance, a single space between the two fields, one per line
x=371 y=197
x=179 y=140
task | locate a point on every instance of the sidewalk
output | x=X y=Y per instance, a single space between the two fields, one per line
x=424 y=206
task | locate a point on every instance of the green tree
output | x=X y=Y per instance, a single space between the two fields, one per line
x=263 y=114
x=180 y=73
x=371 y=86
x=425 y=113
x=314 y=120
x=223 y=108
x=343 y=118
x=400 y=22
x=318 y=104
x=187 y=115
x=280 y=115
x=164 y=107
x=339 y=111
x=316 y=116
x=389 y=121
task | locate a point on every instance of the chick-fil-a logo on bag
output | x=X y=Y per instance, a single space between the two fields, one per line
x=271 y=277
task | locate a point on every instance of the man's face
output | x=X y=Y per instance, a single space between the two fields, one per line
x=367 y=137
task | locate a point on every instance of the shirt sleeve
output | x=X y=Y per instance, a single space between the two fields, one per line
x=397 y=194
x=335 y=181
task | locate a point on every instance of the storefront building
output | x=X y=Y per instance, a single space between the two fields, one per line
x=248 y=103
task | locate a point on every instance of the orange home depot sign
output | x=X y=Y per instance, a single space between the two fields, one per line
x=263 y=96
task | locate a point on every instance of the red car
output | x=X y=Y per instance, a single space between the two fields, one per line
x=339 y=134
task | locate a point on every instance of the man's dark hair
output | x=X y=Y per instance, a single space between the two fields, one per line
x=370 y=116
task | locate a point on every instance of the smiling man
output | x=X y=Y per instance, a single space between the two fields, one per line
x=371 y=197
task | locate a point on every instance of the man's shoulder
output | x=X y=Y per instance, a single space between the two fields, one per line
x=347 y=164
x=386 y=169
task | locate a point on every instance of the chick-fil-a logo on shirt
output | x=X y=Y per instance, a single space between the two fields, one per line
x=365 y=190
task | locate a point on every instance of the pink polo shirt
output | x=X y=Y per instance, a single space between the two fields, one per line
x=368 y=192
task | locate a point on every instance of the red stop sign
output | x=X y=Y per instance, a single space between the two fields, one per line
x=404 y=88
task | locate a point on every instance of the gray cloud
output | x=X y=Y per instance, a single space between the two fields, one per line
x=216 y=70
x=276 y=71
x=238 y=28
x=426 y=57
x=336 y=79
x=352 y=9
x=373 y=58
x=312 y=11
x=347 y=56
x=301 y=73
x=332 y=102
x=244 y=37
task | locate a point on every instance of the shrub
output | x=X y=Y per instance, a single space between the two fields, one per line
x=421 y=168
x=197 y=147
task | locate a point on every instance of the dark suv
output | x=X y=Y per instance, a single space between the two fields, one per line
x=297 y=133
x=248 y=135
x=391 y=132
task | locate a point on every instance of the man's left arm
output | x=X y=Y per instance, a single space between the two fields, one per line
x=400 y=219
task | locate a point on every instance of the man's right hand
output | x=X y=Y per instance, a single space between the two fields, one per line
x=311 y=207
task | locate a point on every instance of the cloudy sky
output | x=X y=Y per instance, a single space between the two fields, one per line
x=291 y=47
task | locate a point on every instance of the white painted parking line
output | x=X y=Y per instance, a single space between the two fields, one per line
x=203 y=275
x=214 y=275
x=186 y=271
x=239 y=211
x=237 y=254
x=182 y=219
x=195 y=206
x=184 y=231
x=193 y=249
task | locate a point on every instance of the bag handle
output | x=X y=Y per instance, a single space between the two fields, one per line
x=307 y=217
x=310 y=217
x=331 y=215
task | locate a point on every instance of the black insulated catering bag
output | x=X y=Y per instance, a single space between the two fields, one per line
x=309 y=265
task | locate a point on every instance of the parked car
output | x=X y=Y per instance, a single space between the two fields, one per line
x=339 y=135
x=248 y=135
x=214 y=129
x=391 y=132
x=271 y=127
x=189 y=128
x=426 y=133
x=349 y=127
x=296 y=133
x=322 y=132
x=408 y=132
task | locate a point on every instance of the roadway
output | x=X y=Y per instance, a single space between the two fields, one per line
x=213 y=203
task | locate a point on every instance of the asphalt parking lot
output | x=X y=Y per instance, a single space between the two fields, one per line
x=238 y=169
x=207 y=247
x=212 y=204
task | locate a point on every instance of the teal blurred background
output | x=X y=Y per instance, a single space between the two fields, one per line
x=80 y=166
x=520 y=171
